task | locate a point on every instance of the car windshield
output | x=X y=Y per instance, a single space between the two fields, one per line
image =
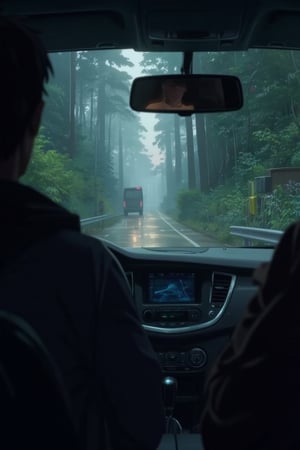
x=208 y=180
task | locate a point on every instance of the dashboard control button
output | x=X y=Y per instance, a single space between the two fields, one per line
x=194 y=315
x=212 y=313
x=172 y=356
x=197 y=358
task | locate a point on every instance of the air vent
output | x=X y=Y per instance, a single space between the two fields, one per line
x=222 y=284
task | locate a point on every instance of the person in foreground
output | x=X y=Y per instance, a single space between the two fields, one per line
x=68 y=286
x=252 y=392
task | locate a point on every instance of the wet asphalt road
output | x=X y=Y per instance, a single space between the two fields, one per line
x=154 y=230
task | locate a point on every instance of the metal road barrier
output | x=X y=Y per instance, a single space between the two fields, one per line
x=250 y=234
x=97 y=219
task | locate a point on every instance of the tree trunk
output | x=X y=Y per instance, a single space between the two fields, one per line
x=190 y=153
x=72 y=77
x=100 y=130
x=202 y=153
x=92 y=114
x=178 y=153
x=169 y=166
x=121 y=160
x=81 y=106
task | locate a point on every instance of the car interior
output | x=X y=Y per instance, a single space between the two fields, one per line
x=189 y=297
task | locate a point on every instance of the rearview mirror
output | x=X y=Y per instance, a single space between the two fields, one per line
x=186 y=94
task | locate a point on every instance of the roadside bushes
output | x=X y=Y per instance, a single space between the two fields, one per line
x=213 y=213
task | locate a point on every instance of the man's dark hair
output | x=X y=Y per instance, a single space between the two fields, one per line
x=25 y=68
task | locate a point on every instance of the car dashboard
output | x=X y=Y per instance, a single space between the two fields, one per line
x=189 y=301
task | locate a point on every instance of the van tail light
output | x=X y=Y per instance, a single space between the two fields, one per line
x=124 y=204
x=141 y=203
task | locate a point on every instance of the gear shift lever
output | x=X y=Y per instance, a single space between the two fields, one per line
x=169 y=387
x=169 y=394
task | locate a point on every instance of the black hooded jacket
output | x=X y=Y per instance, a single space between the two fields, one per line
x=252 y=392
x=73 y=292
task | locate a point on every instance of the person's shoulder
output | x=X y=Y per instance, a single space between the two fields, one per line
x=75 y=243
x=81 y=238
x=155 y=105
x=189 y=107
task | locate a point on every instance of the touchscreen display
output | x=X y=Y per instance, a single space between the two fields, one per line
x=171 y=288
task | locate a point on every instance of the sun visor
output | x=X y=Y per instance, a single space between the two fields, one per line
x=277 y=29
x=86 y=31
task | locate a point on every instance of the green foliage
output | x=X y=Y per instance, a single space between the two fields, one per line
x=278 y=147
x=65 y=181
x=49 y=172
x=89 y=186
x=222 y=207
x=247 y=168
x=282 y=207
x=188 y=204
x=55 y=117
x=214 y=212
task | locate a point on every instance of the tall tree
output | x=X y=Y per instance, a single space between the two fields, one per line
x=72 y=75
x=178 y=152
x=190 y=153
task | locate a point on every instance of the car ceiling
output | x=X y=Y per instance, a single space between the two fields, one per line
x=161 y=25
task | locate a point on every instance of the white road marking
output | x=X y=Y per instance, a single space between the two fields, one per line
x=178 y=232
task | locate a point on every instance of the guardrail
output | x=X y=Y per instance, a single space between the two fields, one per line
x=97 y=219
x=250 y=234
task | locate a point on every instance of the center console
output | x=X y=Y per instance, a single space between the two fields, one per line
x=181 y=301
x=173 y=299
x=175 y=304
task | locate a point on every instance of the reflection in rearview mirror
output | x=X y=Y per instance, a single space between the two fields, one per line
x=186 y=94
